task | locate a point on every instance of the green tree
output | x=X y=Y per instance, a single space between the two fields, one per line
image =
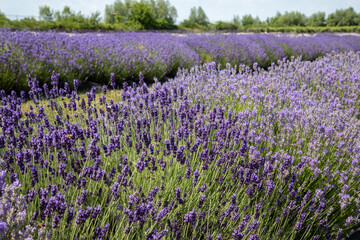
x=221 y=25
x=202 y=19
x=193 y=15
x=4 y=21
x=109 y=14
x=163 y=10
x=63 y=15
x=67 y=13
x=122 y=10
x=163 y=15
x=288 y=19
x=45 y=13
x=141 y=13
x=273 y=21
x=317 y=20
x=347 y=17
x=248 y=20
x=94 y=18
x=236 y=20
x=197 y=18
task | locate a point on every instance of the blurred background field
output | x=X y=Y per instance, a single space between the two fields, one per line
x=92 y=57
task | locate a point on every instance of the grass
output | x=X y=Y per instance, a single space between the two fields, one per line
x=114 y=95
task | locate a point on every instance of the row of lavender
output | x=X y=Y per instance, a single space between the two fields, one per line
x=211 y=154
x=92 y=57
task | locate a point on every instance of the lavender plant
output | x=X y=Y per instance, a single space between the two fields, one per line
x=234 y=153
x=13 y=213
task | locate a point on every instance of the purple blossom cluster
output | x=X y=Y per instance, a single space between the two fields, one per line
x=237 y=153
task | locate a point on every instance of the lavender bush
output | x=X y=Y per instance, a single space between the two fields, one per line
x=234 y=153
x=13 y=214
x=89 y=57
x=92 y=57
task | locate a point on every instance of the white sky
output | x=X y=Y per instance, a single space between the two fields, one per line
x=214 y=9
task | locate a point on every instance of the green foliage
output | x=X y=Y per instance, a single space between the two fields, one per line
x=67 y=15
x=221 y=25
x=237 y=20
x=317 y=20
x=248 y=20
x=164 y=25
x=347 y=17
x=118 y=12
x=160 y=14
x=45 y=13
x=244 y=23
x=288 y=19
x=164 y=12
x=153 y=14
x=197 y=19
x=4 y=21
x=201 y=17
x=340 y=21
x=142 y=14
x=64 y=20
x=94 y=18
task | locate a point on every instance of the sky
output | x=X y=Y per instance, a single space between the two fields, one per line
x=214 y=9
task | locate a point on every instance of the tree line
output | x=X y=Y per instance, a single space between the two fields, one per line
x=161 y=15
x=339 y=18
x=151 y=14
x=66 y=19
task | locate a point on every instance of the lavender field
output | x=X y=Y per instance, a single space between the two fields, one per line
x=217 y=152
x=91 y=57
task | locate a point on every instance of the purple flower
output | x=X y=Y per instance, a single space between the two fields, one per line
x=96 y=211
x=338 y=234
x=67 y=88
x=161 y=214
x=76 y=84
x=188 y=173
x=160 y=234
x=253 y=237
x=55 y=79
x=55 y=221
x=83 y=215
x=235 y=216
x=30 y=195
x=178 y=196
x=104 y=231
x=104 y=89
x=81 y=199
x=270 y=186
x=250 y=191
x=112 y=80
x=179 y=155
x=237 y=234
x=201 y=201
x=299 y=225
x=202 y=188
x=152 y=193
x=196 y=177
x=114 y=191
x=254 y=226
x=190 y=217
x=3 y=228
